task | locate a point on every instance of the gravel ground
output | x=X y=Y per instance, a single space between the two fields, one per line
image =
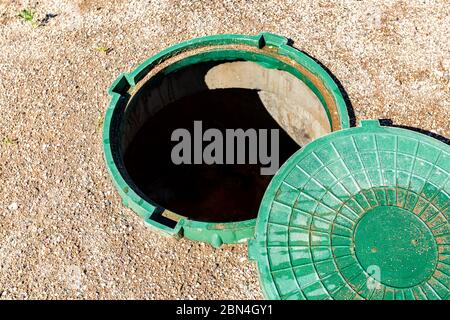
x=63 y=230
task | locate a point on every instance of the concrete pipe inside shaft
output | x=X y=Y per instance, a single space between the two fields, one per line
x=222 y=95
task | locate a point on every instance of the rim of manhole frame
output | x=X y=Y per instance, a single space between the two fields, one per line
x=269 y=50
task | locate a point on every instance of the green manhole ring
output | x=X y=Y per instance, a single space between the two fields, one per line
x=269 y=51
x=362 y=213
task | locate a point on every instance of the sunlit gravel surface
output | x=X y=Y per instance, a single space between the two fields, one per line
x=64 y=232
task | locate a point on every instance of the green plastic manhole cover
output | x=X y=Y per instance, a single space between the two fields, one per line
x=362 y=213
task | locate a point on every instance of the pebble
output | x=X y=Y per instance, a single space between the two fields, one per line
x=13 y=206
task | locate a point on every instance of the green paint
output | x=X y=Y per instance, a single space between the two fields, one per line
x=397 y=242
x=213 y=233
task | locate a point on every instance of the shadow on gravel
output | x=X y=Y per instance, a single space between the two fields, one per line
x=390 y=123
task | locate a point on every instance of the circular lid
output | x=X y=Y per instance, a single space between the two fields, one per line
x=362 y=213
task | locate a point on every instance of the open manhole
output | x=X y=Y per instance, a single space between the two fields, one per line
x=218 y=82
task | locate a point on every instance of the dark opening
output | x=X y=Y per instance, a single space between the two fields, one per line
x=212 y=193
